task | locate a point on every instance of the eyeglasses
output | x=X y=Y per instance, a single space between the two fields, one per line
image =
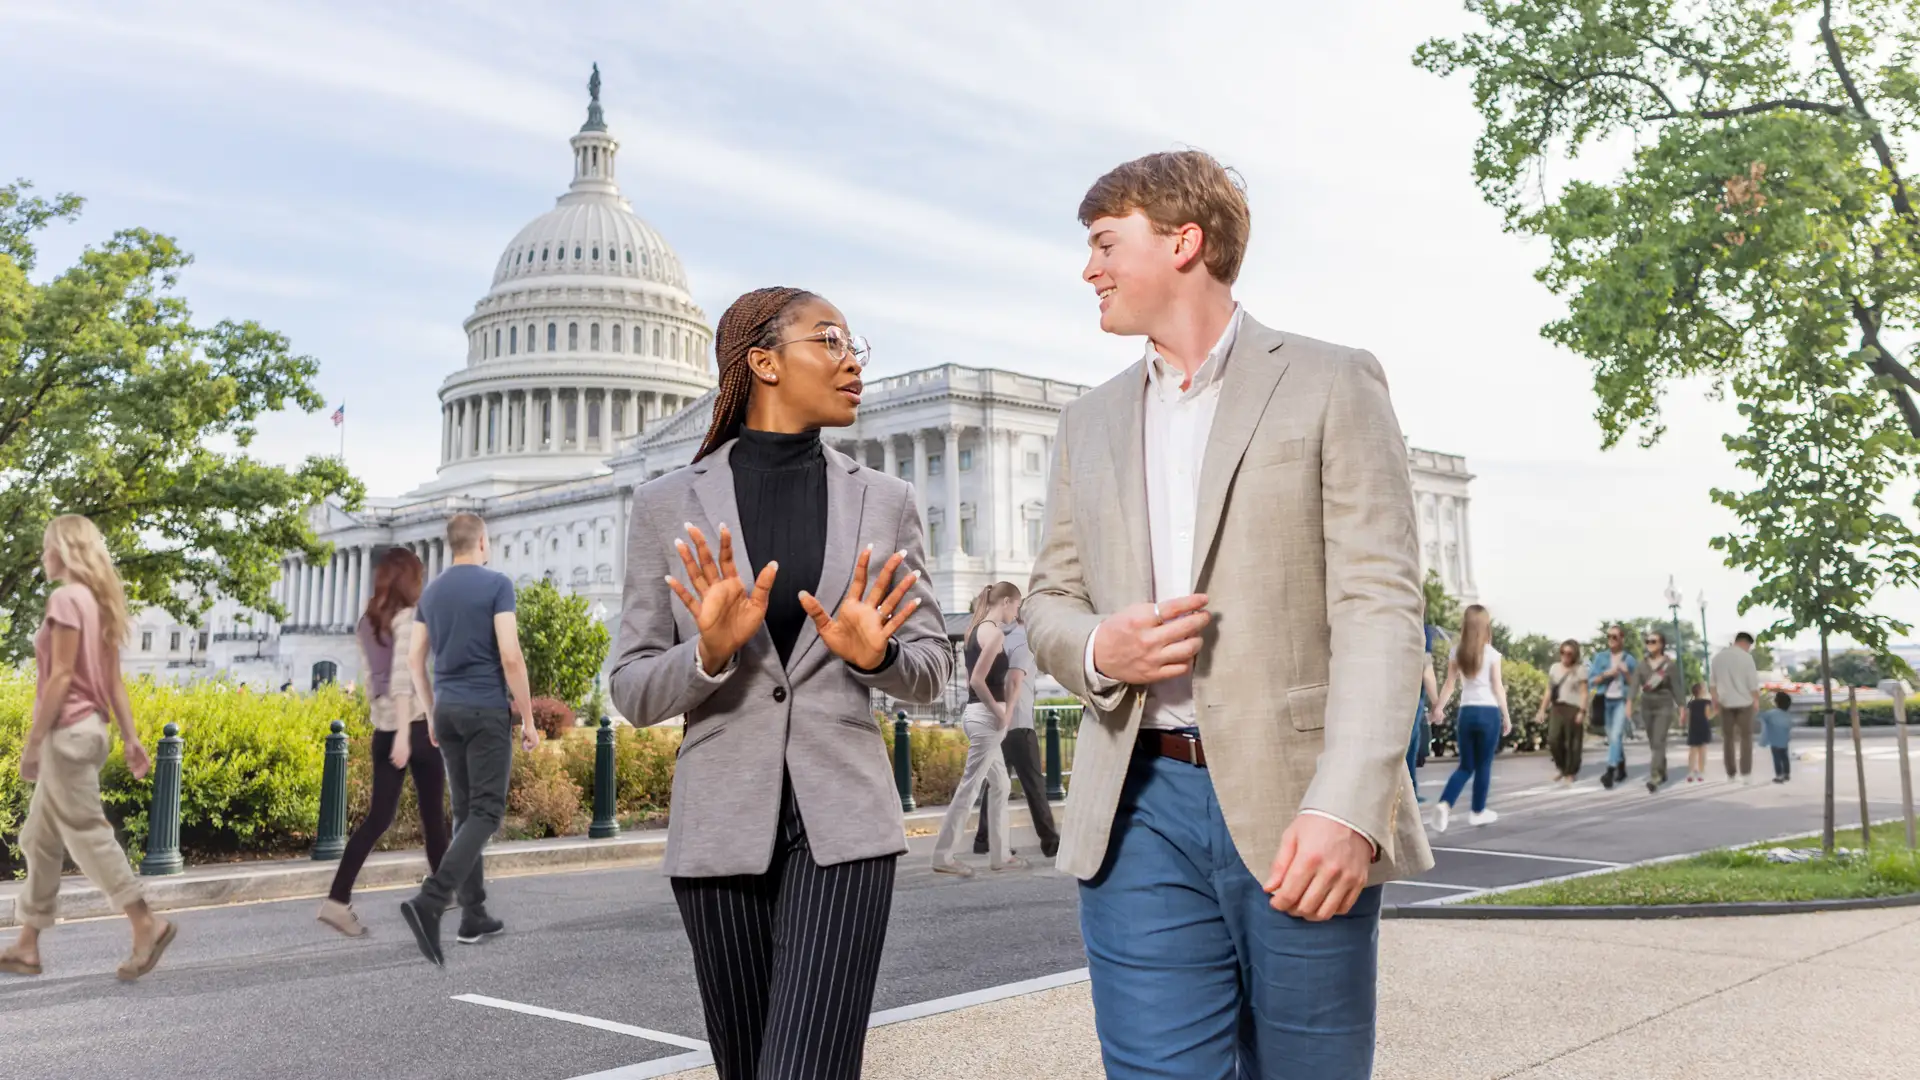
x=839 y=343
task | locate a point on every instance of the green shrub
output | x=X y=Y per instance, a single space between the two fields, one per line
x=552 y=716
x=642 y=768
x=250 y=771
x=542 y=800
x=939 y=756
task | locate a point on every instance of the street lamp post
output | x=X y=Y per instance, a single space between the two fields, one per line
x=1706 y=650
x=1673 y=606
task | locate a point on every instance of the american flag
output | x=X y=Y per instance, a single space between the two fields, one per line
x=340 y=415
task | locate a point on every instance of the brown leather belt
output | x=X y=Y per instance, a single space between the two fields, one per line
x=1172 y=744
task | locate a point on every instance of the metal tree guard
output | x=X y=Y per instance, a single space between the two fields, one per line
x=1056 y=789
x=163 y=817
x=903 y=759
x=604 y=823
x=330 y=841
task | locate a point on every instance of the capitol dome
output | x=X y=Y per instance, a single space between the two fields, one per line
x=586 y=337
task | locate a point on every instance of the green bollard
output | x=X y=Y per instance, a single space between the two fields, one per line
x=163 y=818
x=1055 y=789
x=604 y=824
x=903 y=759
x=331 y=841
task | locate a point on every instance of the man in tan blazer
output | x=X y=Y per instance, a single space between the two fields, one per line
x=1230 y=580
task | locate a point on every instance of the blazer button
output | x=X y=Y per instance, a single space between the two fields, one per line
x=779 y=693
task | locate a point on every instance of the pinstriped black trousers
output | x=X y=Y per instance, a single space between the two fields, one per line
x=786 y=960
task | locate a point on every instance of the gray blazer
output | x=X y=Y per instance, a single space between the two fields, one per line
x=812 y=718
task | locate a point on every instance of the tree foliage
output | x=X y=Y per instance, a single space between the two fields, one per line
x=113 y=404
x=564 y=644
x=1850 y=668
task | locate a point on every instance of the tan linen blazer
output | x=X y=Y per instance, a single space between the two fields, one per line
x=1306 y=547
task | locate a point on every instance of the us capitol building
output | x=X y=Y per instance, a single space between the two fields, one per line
x=589 y=371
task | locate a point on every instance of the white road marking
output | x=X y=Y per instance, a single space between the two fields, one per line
x=1436 y=885
x=1520 y=855
x=584 y=1021
x=646 y=1070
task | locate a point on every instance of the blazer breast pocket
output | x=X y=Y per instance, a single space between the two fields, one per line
x=1276 y=454
x=1307 y=707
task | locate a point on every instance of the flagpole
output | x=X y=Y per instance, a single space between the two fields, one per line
x=343 y=433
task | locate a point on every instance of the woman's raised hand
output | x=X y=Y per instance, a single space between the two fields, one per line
x=869 y=615
x=727 y=614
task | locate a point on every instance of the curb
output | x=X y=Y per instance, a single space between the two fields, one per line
x=209 y=885
x=1649 y=911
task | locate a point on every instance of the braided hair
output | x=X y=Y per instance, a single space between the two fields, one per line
x=752 y=322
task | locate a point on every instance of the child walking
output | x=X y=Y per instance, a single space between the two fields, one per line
x=1776 y=731
x=1699 y=732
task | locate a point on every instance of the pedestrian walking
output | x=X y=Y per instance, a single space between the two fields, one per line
x=403 y=738
x=1611 y=676
x=1021 y=748
x=1699 y=732
x=1658 y=685
x=1422 y=733
x=1230 y=580
x=785 y=821
x=1735 y=684
x=1776 y=734
x=1482 y=721
x=465 y=622
x=988 y=714
x=77 y=687
x=1563 y=705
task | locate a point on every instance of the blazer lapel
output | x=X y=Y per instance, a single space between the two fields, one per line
x=1126 y=441
x=846 y=501
x=1254 y=369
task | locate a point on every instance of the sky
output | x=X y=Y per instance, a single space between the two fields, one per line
x=347 y=174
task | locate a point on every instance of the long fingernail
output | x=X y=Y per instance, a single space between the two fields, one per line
x=902 y=553
x=687 y=525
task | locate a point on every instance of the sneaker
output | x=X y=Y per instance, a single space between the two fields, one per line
x=1779 y=779
x=341 y=917
x=1014 y=862
x=424 y=921
x=477 y=926
x=1442 y=816
x=1746 y=779
x=1483 y=817
x=957 y=869
x=1652 y=786
x=1606 y=779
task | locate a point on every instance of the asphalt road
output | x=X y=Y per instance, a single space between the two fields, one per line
x=263 y=991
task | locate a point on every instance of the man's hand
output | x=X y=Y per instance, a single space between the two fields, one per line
x=1320 y=870
x=1148 y=643
x=529 y=735
x=30 y=761
x=402 y=749
x=868 y=616
x=137 y=761
x=727 y=614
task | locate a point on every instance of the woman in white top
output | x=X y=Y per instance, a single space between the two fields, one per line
x=1483 y=720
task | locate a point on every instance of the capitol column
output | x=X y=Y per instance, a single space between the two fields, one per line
x=1010 y=513
x=919 y=439
x=951 y=466
x=606 y=420
x=324 y=613
x=889 y=458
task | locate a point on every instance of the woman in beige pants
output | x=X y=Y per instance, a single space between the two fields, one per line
x=77 y=653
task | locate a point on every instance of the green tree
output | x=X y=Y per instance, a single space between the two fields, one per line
x=1538 y=650
x=113 y=404
x=1852 y=668
x=1443 y=610
x=1763 y=215
x=565 y=645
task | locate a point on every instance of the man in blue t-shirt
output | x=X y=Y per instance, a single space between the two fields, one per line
x=466 y=622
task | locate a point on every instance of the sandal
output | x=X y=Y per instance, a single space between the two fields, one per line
x=958 y=869
x=133 y=967
x=13 y=964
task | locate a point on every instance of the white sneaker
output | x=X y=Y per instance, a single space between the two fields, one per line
x=1746 y=779
x=1484 y=817
x=1442 y=815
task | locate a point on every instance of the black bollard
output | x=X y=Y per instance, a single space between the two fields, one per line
x=903 y=759
x=330 y=842
x=1055 y=789
x=163 y=817
x=604 y=824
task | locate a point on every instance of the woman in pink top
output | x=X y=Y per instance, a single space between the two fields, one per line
x=78 y=654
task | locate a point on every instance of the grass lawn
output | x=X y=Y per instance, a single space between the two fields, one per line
x=1740 y=874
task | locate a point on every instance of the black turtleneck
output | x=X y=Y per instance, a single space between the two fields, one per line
x=780 y=484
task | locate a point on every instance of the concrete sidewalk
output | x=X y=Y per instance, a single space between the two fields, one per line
x=1782 y=998
x=286 y=879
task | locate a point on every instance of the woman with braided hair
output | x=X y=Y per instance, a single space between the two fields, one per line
x=785 y=823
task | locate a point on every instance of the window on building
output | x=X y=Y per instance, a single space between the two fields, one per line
x=556 y=543
x=146 y=641
x=1033 y=462
x=576 y=251
x=629 y=256
x=619 y=340
x=603 y=538
x=676 y=346
x=526 y=548
x=530 y=337
x=173 y=641
x=516 y=258
x=573 y=337
x=580 y=540
x=934 y=465
x=513 y=340
x=656 y=341
x=324 y=673
x=543 y=254
x=593 y=337
x=560 y=252
x=966 y=460
x=203 y=641
x=596 y=253
x=936 y=536
x=553 y=336
x=1033 y=537
x=639 y=344
x=906 y=469
x=496 y=341
x=966 y=535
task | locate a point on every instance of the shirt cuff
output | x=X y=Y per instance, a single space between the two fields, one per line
x=1096 y=682
x=886 y=660
x=1350 y=825
x=700 y=670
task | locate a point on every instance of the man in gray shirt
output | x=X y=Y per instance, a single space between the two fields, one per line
x=1021 y=747
x=1736 y=692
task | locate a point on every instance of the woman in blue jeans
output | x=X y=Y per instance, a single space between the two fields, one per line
x=1483 y=720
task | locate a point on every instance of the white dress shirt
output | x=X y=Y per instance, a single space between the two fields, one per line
x=1178 y=422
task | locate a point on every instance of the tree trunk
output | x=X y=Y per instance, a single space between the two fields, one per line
x=1826 y=688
